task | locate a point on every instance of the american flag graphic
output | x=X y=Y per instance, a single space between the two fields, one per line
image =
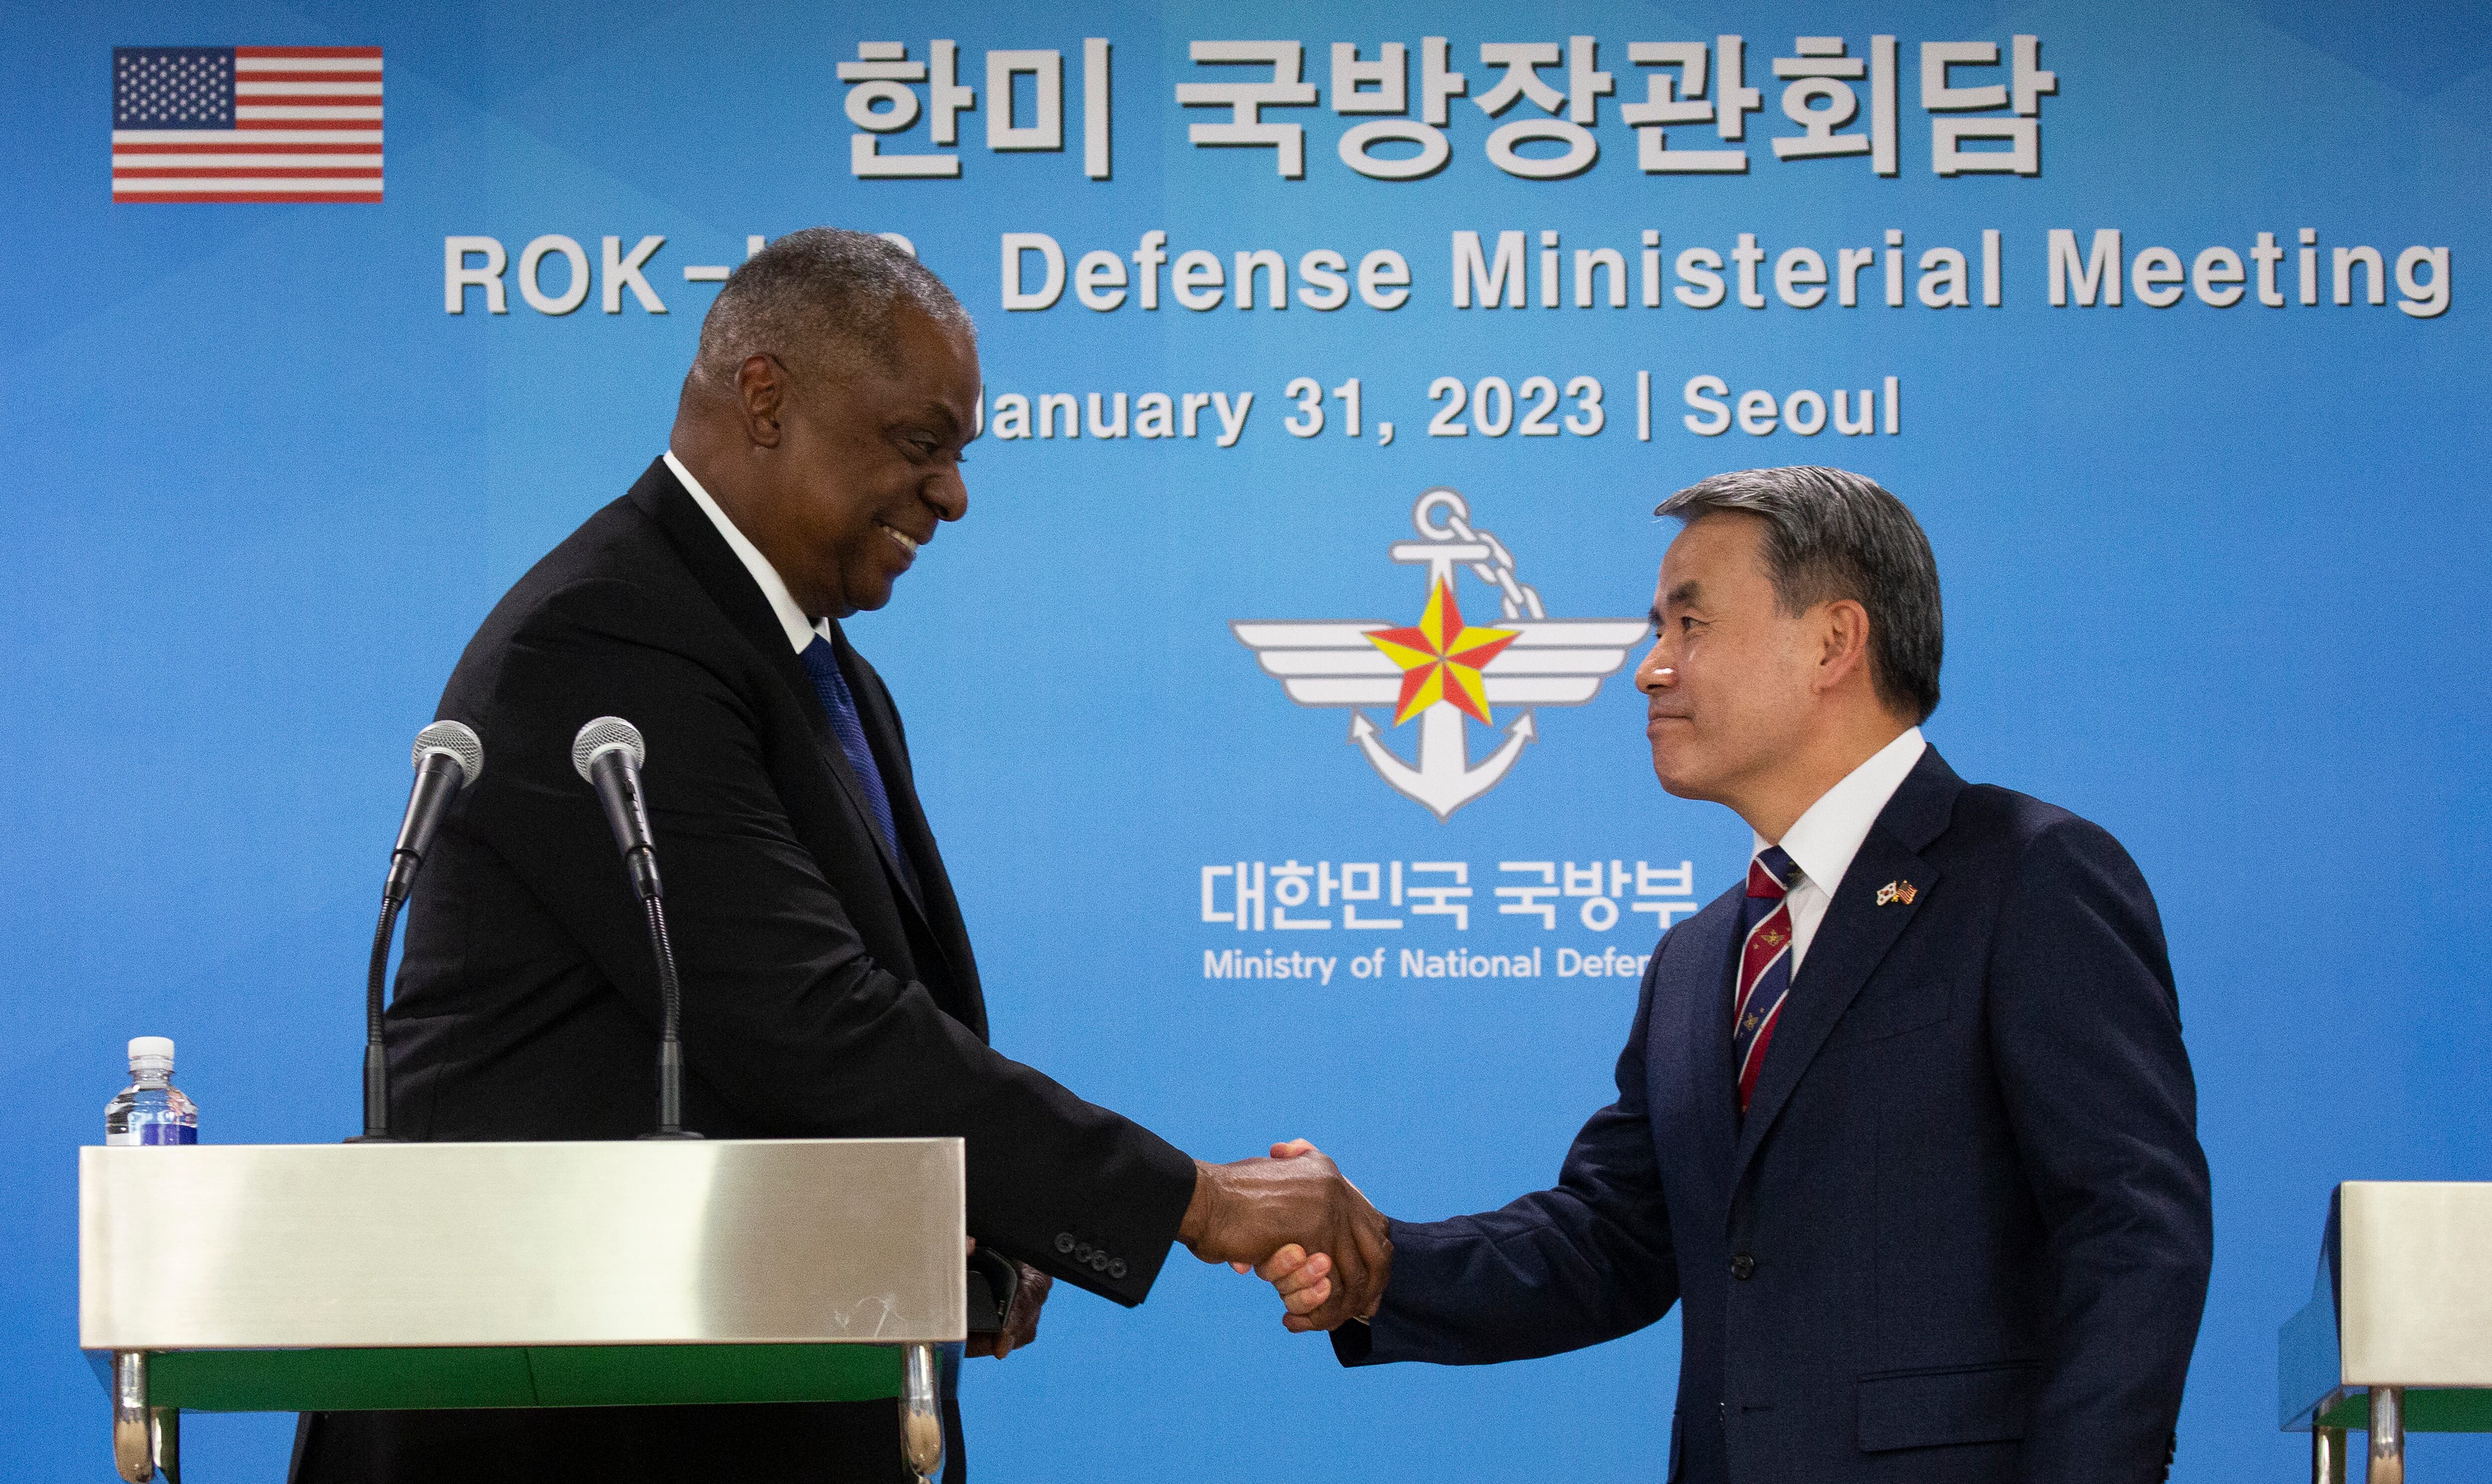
x=246 y=123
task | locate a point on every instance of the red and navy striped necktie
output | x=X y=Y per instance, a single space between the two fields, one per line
x=1765 y=963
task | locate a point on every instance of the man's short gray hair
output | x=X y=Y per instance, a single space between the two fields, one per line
x=824 y=301
x=1832 y=534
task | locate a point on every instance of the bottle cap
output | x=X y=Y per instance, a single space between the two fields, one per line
x=157 y=1047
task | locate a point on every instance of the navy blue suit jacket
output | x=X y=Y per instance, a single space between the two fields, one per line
x=1963 y=1232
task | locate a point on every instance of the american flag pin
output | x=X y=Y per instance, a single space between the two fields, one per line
x=1897 y=891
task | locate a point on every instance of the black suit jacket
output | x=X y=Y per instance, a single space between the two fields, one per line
x=825 y=991
x=1963 y=1231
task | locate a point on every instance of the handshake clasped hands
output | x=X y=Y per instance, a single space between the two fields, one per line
x=1298 y=1224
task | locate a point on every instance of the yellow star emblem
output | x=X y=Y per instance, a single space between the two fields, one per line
x=1441 y=658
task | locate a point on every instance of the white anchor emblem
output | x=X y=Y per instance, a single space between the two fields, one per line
x=1442 y=671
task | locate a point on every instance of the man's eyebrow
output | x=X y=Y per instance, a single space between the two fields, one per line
x=1684 y=594
x=942 y=419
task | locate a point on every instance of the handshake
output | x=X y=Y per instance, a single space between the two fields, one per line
x=1296 y=1223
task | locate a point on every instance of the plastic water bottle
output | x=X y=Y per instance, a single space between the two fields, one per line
x=151 y=1110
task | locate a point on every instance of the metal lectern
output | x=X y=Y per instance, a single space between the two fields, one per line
x=324 y=1277
x=2397 y=1336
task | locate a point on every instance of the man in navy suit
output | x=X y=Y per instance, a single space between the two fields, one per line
x=1904 y=1120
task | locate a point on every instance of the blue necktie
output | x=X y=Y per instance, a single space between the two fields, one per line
x=822 y=662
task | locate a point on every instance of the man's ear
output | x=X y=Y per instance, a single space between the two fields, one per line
x=1843 y=638
x=760 y=394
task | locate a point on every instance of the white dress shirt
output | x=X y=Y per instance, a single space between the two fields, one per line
x=801 y=631
x=1823 y=841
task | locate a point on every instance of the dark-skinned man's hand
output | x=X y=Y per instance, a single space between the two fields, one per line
x=1255 y=1211
x=1302 y=1278
x=1021 y=1321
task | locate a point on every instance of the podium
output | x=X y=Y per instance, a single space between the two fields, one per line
x=330 y=1277
x=2397 y=1336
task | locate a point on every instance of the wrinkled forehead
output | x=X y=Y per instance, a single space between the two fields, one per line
x=929 y=359
x=1715 y=556
x=923 y=368
x=941 y=347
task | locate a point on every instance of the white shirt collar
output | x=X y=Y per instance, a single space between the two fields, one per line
x=801 y=631
x=1824 y=839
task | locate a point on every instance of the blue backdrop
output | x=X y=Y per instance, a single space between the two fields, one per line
x=2213 y=575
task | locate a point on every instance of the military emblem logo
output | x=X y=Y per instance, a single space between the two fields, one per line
x=1445 y=672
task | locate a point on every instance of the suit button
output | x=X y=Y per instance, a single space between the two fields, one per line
x=1081 y=1253
x=1099 y=1261
x=1116 y=1269
x=1743 y=1267
x=1064 y=1241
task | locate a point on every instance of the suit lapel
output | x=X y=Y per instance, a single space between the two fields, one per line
x=1851 y=940
x=939 y=910
x=1691 y=1022
x=882 y=738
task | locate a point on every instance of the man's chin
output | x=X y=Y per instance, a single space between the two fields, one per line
x=1678 y=783
x=866 y=595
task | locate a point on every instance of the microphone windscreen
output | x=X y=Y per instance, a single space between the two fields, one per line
x=455 y=741
x=605 y=734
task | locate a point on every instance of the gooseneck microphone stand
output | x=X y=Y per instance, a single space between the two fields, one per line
x=671 y=1038
x=375 y=1055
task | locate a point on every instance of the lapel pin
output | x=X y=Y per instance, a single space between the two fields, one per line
x=1897 y=891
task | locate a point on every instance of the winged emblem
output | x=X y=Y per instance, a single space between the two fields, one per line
x=1441 y=672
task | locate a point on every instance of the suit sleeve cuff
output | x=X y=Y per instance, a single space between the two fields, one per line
x=1353 y=1342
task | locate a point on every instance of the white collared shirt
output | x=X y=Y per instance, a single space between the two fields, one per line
x=801 y=631
x=1823 y=841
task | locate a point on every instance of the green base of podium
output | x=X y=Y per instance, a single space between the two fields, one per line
x=2449 y=1410
x=537 y=1376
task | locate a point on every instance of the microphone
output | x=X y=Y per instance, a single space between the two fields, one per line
x=448 y=758
x=607 y=752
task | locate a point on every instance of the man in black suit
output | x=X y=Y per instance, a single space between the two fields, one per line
x=828 y=986
x=1904 y=1120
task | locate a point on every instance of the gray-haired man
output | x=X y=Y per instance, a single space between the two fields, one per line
x=1904 y=1120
